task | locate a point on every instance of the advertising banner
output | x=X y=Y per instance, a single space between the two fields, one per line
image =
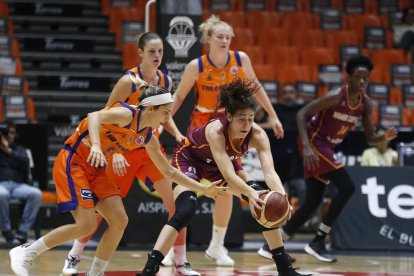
x=380 y=214
x=177 y=24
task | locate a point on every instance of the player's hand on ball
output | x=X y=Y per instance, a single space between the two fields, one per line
x=255 y=201
x=119 y=164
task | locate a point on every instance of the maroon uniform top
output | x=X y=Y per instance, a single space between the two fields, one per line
x=194 y=157
x=327 y=129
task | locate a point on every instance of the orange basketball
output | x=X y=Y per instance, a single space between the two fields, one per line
x=275 y=211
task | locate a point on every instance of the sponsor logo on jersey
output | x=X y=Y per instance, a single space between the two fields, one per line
x=234 y=70
x=86 y=194
x=140 y=140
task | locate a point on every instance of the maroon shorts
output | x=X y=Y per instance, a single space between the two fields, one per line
x=327 y=160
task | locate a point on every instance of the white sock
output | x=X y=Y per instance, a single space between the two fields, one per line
x=77 y=249
x=217 y=238
x=180 y=254
x=98 y=266
x=39 y=246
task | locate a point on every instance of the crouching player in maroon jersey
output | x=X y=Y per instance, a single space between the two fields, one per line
x=334 y=115
x=211 y=152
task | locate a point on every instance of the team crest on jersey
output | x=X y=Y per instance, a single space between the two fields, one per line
x=86 y=194
x=209 y=78
x=234 y=70
x=140 y=140
x=222 y=75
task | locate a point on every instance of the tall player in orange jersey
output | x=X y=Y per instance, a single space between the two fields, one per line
x=150 y=49
x=82 y=182
x=208 y=73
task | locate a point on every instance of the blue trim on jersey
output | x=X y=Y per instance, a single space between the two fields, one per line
x=76 y=145
x=140 y=72
x=166 y=81
x=200 y=65
x=238 y=59
x=131 y=109
x=227 y=62
x=149 y=135
x=133 y=87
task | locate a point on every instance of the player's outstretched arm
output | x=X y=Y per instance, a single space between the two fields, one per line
x=161 y=162
x=261 y=143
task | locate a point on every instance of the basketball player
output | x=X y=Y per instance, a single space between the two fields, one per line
x=208 y=73
x=82 y=185
x=211 y=152
x=150 y=49
x=333 y=116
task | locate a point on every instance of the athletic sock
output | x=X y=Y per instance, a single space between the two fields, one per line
x=77 y=249
x=39 y=246
x=153 y=262
x=322 y=232
x=180 y=254
x=98 y=266
x=281 y=259
x=217 y=238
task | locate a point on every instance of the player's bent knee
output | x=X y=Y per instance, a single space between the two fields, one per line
x=185 y=207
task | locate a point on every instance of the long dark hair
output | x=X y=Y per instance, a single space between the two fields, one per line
x=238 y=95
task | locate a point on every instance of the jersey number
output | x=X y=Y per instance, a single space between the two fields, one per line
x=343 y=130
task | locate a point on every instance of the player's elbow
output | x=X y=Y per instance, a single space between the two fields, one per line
x=168 y=172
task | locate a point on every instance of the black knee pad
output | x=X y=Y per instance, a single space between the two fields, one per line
x=185 y=207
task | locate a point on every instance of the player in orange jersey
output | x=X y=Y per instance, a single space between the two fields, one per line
x=150 y=49
x=82 y=183
x=208 y=73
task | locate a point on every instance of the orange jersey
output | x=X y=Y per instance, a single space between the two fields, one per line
x=79 y=184
x=163 y=81
x=113 y=139
x=211 y=79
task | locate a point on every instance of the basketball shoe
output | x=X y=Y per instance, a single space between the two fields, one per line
x=219 y=254
x=186 y=270
x=71 y=265
x=318 y=250
x=21 y=259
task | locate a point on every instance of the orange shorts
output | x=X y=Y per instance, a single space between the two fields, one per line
x=141 y=167
x=77 y=183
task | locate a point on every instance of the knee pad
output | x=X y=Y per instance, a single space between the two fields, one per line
x=185 y=207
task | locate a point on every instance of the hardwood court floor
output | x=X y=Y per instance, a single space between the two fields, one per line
x=127 y=262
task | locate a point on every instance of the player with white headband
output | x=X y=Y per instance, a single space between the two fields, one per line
x=82 y=182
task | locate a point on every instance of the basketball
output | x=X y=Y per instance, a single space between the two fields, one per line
x=275 y=210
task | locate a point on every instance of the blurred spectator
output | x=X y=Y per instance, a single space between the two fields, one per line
x=288 y=161
x=14 y=179
x=380 y=155
x=404 y=33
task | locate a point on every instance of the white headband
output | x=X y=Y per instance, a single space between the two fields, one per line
x=157 y=100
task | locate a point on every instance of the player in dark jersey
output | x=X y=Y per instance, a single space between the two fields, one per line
x=334 y=115
x=211 y=152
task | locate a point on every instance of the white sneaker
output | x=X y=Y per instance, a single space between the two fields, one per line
x=21 y=260
x=186 y=270
x=169 y=258
x=264 y=252
x=71 y=266
x=220 y=255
